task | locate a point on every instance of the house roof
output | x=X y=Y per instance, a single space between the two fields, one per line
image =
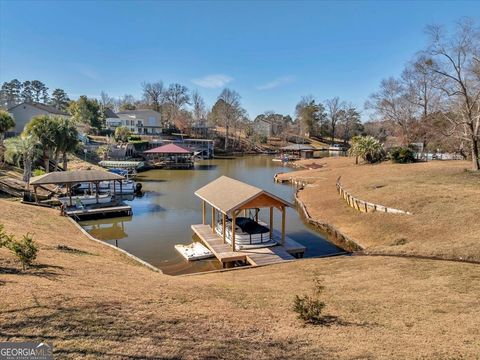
x=109 y=113
x=169 y=149
x=298 y=147
x=78 y=176
x=44 y=107
x=227 y=194
x=140 y=113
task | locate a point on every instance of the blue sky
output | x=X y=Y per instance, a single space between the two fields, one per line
x=271 y=52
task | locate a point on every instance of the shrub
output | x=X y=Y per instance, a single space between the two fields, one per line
x=402 y=155
x=132 y=138
x=139 y=145
x=3 y=236
x=38 y=172
x=122 y=133
x=309 y=307
x=25 y=250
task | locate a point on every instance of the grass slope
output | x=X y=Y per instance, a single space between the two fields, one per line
x=98 y=303
x=443 y=197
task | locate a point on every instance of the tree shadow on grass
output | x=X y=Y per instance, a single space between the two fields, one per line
x=49 y=272
x=124 y=330
x=332 y=320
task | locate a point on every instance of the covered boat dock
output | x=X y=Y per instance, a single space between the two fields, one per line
x=228 y=198
x=300 y=151
x=71 y=178
x=170 y=156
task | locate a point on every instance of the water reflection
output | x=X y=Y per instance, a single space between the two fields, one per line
x=163 y=216
x=108 y=231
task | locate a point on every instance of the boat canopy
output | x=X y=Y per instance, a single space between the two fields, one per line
x=169 y=149
x=230 y=197
x=121 y=164
x=297 y=147
x=227 y=195
x=72 y=177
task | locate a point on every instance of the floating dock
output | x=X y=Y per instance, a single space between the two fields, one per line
x=255 y=257
x=98 y=212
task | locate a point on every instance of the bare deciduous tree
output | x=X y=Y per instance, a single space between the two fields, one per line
x=392 y=104
x=176 y=97
x=153 y=94
x=228 y=112
x=334 y=111
x=199 y=110
x=454 y=58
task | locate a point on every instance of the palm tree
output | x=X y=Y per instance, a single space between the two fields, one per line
x=44 y=129
x=23 y=150
x=6 y=123
x=368 y=148
x=67 y=139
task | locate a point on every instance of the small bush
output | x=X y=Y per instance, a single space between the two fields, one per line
x=309 y=307
x=25 y=250
x=38 y=172
x=3 y=236
x=402 y=155
x=134 y=138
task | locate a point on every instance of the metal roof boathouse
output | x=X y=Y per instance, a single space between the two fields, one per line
x=70 y=178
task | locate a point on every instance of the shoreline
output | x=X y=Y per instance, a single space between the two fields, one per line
x=307 y=177
x=334 y=235
x=124 y=252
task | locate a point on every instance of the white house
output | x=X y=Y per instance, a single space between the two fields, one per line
x=148 y=122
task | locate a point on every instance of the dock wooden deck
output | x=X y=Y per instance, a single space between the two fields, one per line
x=99 y=211
x=255 y=257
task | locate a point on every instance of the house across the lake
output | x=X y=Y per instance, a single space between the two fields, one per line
x=144 y=122
x=24 y=112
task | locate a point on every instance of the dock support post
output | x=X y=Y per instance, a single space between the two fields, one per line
x=283 y=225
x=213 y=219
x=234 y=220
x=204 y=213
x=96 y=192
x=69 y=189
x=224 y=226
x=271 y=223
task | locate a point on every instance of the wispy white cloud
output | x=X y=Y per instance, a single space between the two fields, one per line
x=86 y=71
x=276 y=83
x=213 y=81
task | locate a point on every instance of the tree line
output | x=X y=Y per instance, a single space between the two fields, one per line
x=436 y=99
x=15 y=92
x=334 y=119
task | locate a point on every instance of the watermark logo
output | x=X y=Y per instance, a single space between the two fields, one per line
x=26 y=351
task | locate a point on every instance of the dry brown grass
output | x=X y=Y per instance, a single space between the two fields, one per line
x=76 y=163
x=101 y=304
x=443 y=197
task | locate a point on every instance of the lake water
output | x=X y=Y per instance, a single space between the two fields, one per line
x=163 y=215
